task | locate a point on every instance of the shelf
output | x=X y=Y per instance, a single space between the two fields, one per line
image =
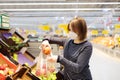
x=5 y=28
x=109 y=51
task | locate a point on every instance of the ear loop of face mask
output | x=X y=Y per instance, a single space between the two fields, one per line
x=72 y=35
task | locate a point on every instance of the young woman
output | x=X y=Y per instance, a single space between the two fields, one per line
x=77 y=51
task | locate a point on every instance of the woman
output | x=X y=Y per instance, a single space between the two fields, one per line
x=77 y=51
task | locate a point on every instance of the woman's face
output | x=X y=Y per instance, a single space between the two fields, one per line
x=79 y=27
x=72 y=33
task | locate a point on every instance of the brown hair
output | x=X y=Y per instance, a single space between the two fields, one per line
x=79 y=26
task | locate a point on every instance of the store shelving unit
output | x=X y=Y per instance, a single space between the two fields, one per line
x=109 y=51
x=9 y=42
x=23 y=56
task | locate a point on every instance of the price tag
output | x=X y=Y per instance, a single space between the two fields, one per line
x=105 y=32
x=4 y=21
x=94 y=32
x=117 y=26
x=64 y=27
x=44 y=27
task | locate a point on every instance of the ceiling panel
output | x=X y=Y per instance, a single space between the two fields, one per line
x=30 y=13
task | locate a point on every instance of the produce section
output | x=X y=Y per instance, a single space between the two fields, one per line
x=16 y=48
x=25 y=23
x=110 y=45
x=13 y=46
x=105 y=41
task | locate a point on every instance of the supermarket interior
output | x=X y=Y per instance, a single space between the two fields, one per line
x=25 y=23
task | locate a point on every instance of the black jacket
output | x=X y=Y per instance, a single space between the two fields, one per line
x=76 y=67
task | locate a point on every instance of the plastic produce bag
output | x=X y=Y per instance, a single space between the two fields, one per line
x=44 y=69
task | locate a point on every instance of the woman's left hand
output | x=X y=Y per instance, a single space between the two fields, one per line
x=52 y=58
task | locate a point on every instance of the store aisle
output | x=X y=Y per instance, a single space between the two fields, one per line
x=103 y=67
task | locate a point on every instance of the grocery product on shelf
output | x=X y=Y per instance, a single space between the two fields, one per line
x=109 y=45
x=6 y=67
x=106 y=41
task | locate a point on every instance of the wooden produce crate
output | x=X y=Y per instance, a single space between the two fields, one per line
x=5 y=60
x=23 y=74
x=25 y=57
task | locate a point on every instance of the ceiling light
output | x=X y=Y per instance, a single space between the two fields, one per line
x=33 y=0
x=106 y=3
x=57 y=9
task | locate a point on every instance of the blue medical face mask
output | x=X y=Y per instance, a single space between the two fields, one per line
x=72 y=35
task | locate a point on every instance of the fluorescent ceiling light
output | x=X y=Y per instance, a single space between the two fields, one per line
x=106 y=3
x=57 y=9
x=33 y=0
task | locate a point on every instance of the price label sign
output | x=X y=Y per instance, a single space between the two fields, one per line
x=4 y=21
x=105 y=32
x=64 y=27
x=44 y=27
x=94 y=32
x=117 y=26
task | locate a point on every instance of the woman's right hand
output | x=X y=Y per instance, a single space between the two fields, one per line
x=45 y=47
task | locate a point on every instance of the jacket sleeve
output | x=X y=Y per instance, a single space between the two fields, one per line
x=56 y=40
x=82 y=61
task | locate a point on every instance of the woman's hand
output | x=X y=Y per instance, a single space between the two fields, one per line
x=52 y=58
x=46 y=48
